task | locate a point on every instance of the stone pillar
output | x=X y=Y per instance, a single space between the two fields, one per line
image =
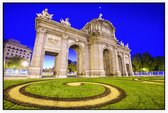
x=62 y=58
x=112 y=61
x=79 y=52
x=96 y=61
x=100 y=58
x=35 y=69
x=116 y=63
x=55 y=67
x=86 y=62
x=124 y=66
x=130 y=66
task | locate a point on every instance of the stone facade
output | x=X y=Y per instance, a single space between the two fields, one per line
x=15 y=48
x=99 y=53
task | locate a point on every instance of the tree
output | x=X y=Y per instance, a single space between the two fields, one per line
x=71 y=66
x=14 y=62
x=158 y=63
x=136 y=62
x=146 y=61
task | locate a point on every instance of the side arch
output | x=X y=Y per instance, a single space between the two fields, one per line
x=107 y=61
x=79 y=49
x=120 y=64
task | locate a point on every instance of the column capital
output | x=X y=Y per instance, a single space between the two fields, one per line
x=41 y=30
x=65 y=36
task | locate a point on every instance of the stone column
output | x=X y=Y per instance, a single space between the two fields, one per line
x=80 y=61
x=62 y=58
x=96 y=61
x=35 y=69
x=100 y=59
x=116 y=63
x=112 y=61
x=79 y=53
x=55 y=67
x=130 y=67
x=86 y=61
x=124 y=66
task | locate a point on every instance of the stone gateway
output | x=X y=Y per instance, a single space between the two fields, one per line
x=99 y=53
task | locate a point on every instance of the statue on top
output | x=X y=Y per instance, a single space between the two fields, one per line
x=100 y=16
x=65 y=22
x=127 y=45
x=121 y=43
x=45 y=14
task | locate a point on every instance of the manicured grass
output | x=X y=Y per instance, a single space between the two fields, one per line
x=58 y=89
x=139 y=95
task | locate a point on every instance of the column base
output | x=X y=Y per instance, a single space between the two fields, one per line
x=97 y=73
x=34 y=76
x=62 y=73
x=118 y=73
x=34 y=71
x=61 y=76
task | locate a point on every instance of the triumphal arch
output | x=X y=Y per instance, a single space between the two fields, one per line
x=99 y=53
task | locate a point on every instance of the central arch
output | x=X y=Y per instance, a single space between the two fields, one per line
x=107 y=62
x=79 y=59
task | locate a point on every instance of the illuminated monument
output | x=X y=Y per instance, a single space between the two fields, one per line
x=98 y=51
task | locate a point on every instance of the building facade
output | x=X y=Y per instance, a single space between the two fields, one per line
x=15 y=48
x=99 y=53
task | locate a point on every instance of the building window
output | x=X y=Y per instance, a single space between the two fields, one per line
x=13 y=48
x=11 y=54
x=17 y=49
x=20 y=52
x=8 y=49
x=12 y=51
x=27 y=57
x=7 y=53
x=23 y=56
x=27 y=54
x=24 y=53
x=16 y=52
x=24 y=50
x=6 y=57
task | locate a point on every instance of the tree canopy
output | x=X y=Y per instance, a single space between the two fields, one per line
x=145 y=62
x=71 y=66
x=14 y=62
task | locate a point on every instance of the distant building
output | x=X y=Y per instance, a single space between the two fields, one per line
x=15 y=48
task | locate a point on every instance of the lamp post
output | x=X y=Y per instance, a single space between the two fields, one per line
x=25 y=63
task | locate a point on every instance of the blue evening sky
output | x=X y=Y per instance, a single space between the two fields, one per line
x=141 y=25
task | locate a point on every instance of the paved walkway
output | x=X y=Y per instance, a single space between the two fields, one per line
x=151 y=82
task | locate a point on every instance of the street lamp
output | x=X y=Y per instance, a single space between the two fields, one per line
x=25 y=63
x=144 y=69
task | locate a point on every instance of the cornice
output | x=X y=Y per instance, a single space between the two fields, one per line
x=52 y=23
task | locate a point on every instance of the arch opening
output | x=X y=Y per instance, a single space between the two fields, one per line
x=49 y=64
x=74 y=68
x=120 y=64
x=107 y=62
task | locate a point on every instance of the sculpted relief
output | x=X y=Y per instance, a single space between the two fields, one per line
x=53 y=42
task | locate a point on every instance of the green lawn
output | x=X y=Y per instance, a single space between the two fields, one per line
x=56 y=88
x=139 y=95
